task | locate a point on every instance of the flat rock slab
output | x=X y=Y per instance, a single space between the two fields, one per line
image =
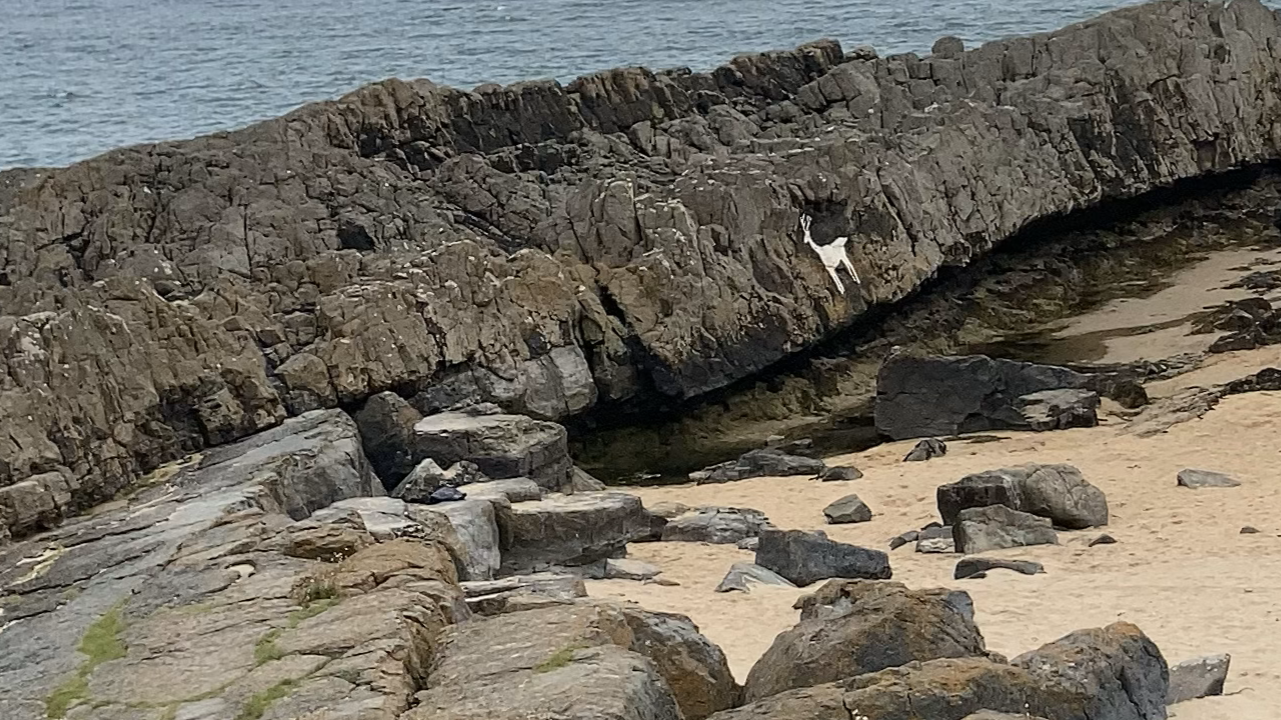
x=1198 y=678
x=523 y=592
x=502 y=446
x=936 y=540
x=621 y=569
x=849 y=509
x=978 y=567
x=843 y=473
x=570 y=530
x=759 y=463
x=1190 y=478
x=742 y=576
x=996 y=527
x=805 y=558
x=716 y=525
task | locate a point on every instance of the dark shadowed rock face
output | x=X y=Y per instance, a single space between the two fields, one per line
x=551 y=247
x=805 y=558
x=852 y=627
x=926 y=396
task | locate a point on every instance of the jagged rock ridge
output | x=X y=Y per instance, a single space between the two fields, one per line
x=553 y=247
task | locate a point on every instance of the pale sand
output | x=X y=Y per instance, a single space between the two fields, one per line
x=1181 y=571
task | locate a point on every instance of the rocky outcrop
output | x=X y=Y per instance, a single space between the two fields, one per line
x=1113 y=673
x=550 y=248
x=1118 y=669
x=850 y=628
x=571 y=530
x=200 y=597
x=927 y=396
x=1057 y=492
x=580 y=660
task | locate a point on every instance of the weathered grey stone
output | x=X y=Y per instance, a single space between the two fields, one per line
x=1119 y=670
x=927 y=449
x=621 y=569
x=495 y=597
x=849 y=509
x=1198 y=678
x=1059 y=409
x=668 y=509
x=852 y=627
x=842 y=473
x=1057 y=492
x=804 y=558
x=742 y=576
x=568 y=530
x=502 y=446
x=716 y=525
x=582 y=481
x=584 y=660
x=996 y=527
x=978 y=566
x=1190 y=478
x=1107 y=674
x=902 y=539
x=768 y=462
x=938 y=540
x=694 y=667
x=476 y=525
x=427 y=477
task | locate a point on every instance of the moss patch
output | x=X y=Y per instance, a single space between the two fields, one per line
x=311 y=610
x=265 y=649
x=259 y=702
x=558 y=660
x=101 y=643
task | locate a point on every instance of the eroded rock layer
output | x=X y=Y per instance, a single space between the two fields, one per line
x=550 y=248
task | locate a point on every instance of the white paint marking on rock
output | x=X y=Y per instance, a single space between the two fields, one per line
x=832 y=256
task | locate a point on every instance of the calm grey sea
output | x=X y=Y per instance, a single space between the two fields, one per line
x=78 y=77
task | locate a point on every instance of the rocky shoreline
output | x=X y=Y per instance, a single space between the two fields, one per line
x=283 y=407
x=555 y=248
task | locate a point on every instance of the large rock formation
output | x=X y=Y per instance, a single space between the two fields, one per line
x=551 y=247
x=1113 y=673
x=853 y=627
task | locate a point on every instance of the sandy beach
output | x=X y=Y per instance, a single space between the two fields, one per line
x=1181 y=569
